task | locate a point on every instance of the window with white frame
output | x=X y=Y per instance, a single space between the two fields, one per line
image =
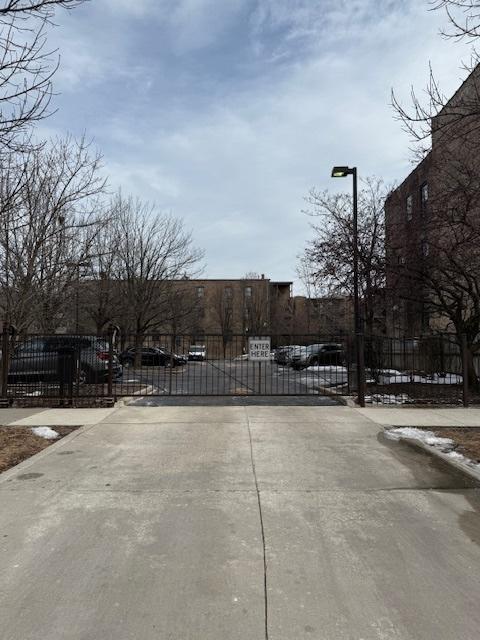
x=409 y=207
x=424 y=195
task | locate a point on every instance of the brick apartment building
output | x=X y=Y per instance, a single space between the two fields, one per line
x=326 y=316
x=199 y=307
x=236 y=306
x=424 y=214
x=263 y=306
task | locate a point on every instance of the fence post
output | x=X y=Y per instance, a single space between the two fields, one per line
x=465 y=390
x=361 y=368
x=5 y=361
x=111 y=333
x=170 y=373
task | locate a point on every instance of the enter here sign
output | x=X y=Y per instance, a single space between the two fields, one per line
x=259 y=349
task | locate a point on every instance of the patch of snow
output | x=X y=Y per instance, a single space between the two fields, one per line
x=392 y=376
x=456 y=456
x=380 y=398
x=45 y=432
x=445 y=445
x=327 y=369
x=428 y=437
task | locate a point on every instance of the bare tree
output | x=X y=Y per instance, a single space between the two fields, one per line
x=181 y=307
x=433 y=114
x=27 y=67
x=463 y=18
x=50 y=227
x=99 y=294
x=152 y=250
x=328 y=257
x=222 y=309
x=257 y=316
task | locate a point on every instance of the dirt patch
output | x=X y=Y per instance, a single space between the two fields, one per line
x=466 y=439
x=19 y=443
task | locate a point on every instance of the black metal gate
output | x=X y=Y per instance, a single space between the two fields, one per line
x=216 y=365
x=85 y=367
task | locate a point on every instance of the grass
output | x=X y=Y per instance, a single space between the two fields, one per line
x=466 y=439
x=19 y=443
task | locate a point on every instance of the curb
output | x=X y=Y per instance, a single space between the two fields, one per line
x=123 y=401
x=25 y=464
x=462 y=467
x=348 y=401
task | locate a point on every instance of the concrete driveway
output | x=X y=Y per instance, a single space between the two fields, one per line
x=206 y=523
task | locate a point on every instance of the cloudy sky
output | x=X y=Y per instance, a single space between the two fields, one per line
x=226 y=112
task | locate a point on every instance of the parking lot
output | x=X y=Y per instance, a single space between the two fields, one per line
x=230 y=377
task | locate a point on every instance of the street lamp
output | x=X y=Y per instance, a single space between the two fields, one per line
x=343 y=172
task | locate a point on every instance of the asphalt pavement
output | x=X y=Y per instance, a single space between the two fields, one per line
x=207 y=523
x=230 y=377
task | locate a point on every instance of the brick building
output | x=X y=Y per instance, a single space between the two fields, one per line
x=428 y=214
x=327 y=316
x=235 y=306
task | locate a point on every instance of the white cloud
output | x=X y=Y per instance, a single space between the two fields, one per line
x=234 y=148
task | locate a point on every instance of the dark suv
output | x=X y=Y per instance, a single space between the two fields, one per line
x=319 y=354
x=152 y=356
x=38 y=359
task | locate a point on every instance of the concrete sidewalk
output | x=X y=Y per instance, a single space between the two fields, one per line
x=51 y=417
x=215 y=523
x=404 y=417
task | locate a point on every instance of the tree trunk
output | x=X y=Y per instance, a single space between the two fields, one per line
x=139 y=338
x=473 y=382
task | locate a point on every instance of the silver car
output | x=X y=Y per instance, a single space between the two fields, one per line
x=39 y=359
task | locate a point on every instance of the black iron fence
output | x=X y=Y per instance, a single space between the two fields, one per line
x=79 y=367
x=216 y=365
x=419 y=370
x=73 y=368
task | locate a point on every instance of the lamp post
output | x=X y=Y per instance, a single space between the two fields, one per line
x=343 y=172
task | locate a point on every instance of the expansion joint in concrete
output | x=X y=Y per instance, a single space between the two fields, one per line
x=262 y=527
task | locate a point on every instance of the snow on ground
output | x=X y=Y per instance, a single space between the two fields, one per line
x=381 y=398
x=45 y=432
x=428 y=437
x=392 y=376
x=327 y=369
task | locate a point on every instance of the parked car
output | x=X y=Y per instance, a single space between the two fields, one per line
x=197 y=352
x=318 y=354
x=282 y=355
x=151 y=357
x=38 y=359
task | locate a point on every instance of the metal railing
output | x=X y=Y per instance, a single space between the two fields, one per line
x=429 y=369
x=76 y=368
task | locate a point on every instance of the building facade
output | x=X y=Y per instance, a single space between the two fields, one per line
x=431 y=221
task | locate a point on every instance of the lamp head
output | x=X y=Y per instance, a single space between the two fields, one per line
x=341 y=172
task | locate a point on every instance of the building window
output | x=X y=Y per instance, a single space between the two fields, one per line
x=425 y=248
x=409 y=207
x=401 y=260
x=424 y=195
x=248 y=292
x=228 y=293
x=200 y=292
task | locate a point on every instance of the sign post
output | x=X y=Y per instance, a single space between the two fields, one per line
x=259 y=350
